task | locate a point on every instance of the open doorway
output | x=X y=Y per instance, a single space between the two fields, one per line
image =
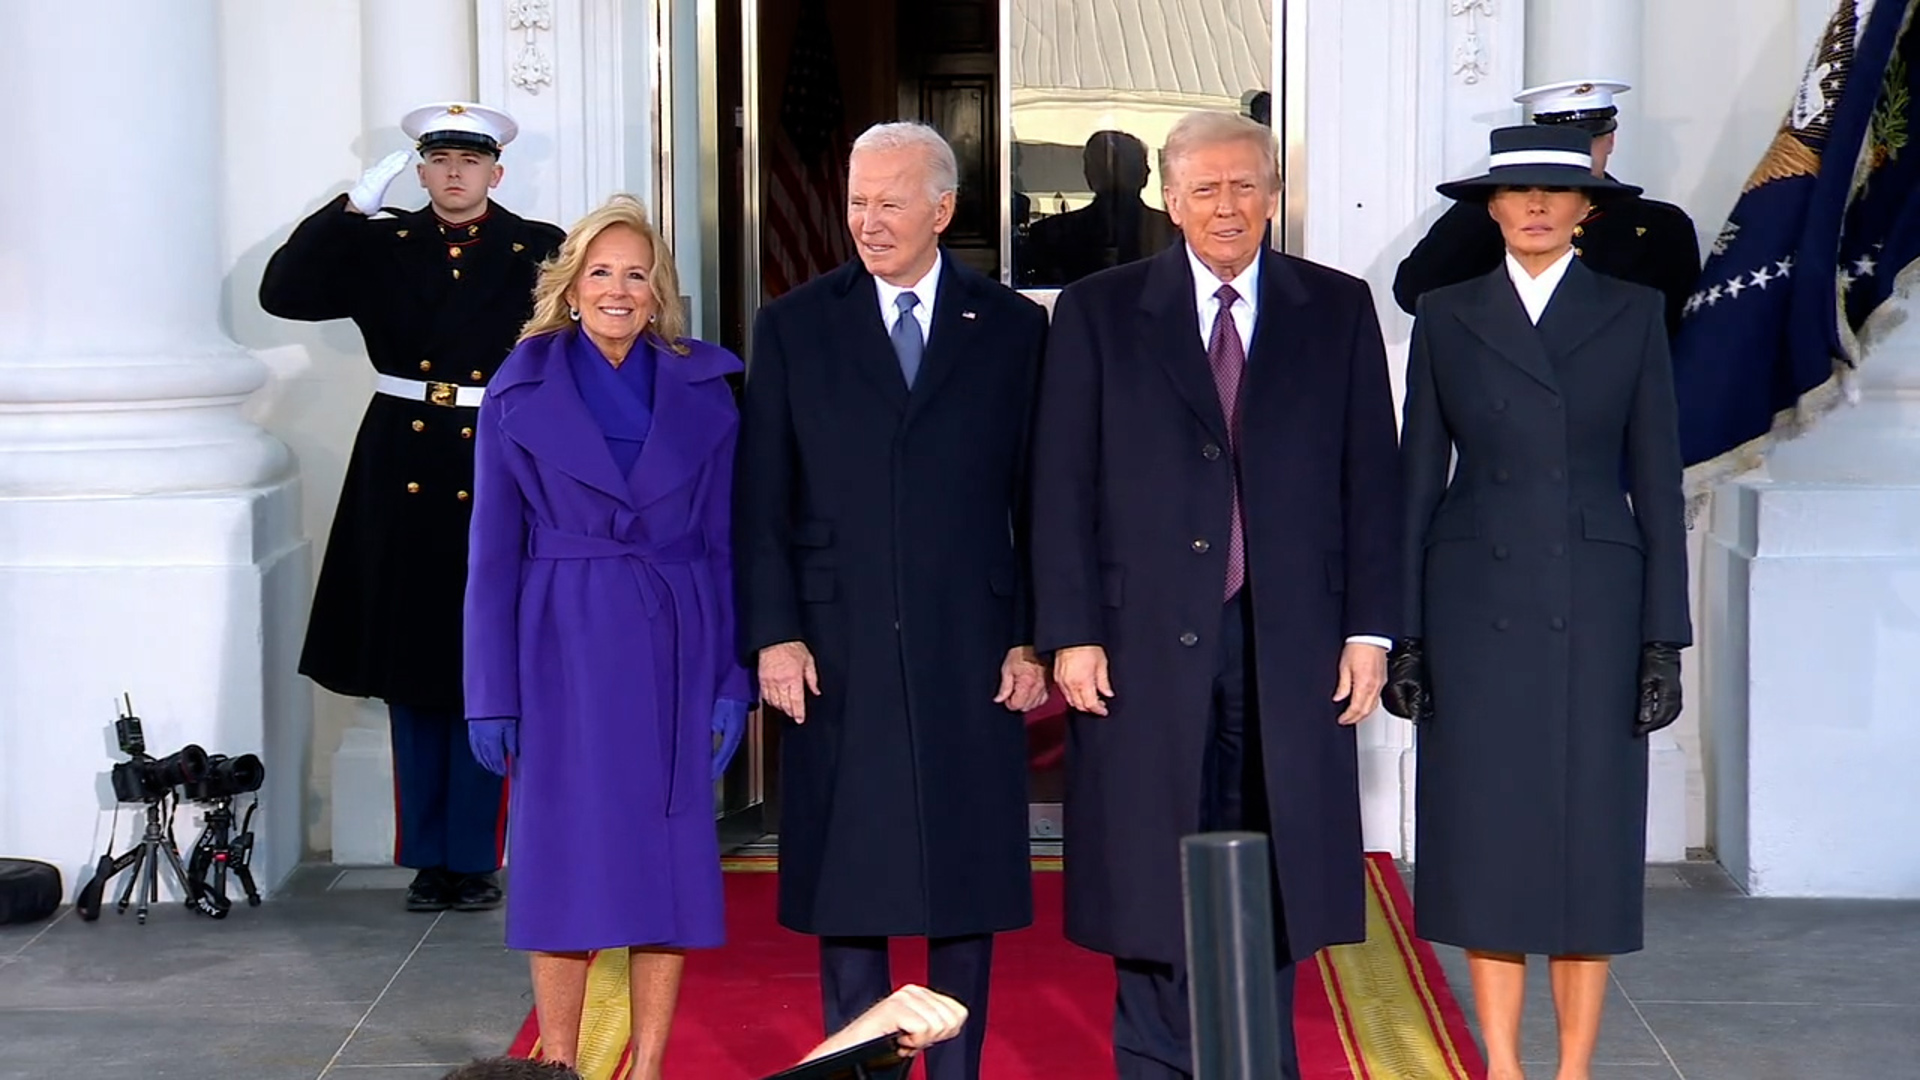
x=1056 y=111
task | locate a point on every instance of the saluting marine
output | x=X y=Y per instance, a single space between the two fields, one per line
x=439 y=295
x=1634 y=239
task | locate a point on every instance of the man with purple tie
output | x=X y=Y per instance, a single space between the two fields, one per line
x=1216 y=575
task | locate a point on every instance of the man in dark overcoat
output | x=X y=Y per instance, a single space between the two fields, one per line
x=1632 y=238
x=879 y=551
x=440 y=295
x=1215 y=569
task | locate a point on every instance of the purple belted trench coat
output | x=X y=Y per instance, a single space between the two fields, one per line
x=599 y=611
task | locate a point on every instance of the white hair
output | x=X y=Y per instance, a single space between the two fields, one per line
x=943 y=173
x=1209 y=127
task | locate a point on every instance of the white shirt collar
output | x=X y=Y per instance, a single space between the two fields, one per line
x=1206 y=282
x=1536 y=291
x=925 y=289
x=1205 y=285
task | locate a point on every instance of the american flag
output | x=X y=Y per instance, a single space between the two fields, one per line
x=806 y=196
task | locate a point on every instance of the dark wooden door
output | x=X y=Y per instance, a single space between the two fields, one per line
x=949 y=56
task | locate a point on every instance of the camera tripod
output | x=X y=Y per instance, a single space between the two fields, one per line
x=217 y=851
x=146 y=857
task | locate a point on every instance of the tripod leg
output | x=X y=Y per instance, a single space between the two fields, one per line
x=152 y=895
x=179 y=871
x=246 y=882
x=134 y=859
x=220 y=879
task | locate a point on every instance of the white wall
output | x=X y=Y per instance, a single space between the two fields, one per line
x=291 y=80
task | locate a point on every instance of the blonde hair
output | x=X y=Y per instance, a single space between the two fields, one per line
x=1212 y=128
x=559 y=272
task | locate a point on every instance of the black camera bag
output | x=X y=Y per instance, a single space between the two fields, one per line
x=29 y=890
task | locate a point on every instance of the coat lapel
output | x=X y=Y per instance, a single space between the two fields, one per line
x=1498 y=318
x=1172 y=335
x=1580 y=308
x=1280 y=336
x=551 y=423
x=956 y=324
x=863 y=337
x=689 y=420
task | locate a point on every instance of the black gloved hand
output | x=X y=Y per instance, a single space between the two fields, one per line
x=1406 y=694
x=1659 y=687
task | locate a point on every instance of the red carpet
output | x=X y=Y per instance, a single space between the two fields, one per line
x=1376 y=1011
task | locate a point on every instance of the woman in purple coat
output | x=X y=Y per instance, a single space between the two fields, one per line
x=599 y=624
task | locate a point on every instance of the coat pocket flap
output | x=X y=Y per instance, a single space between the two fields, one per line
x=1611 y=526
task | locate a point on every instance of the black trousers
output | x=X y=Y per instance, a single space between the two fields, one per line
x=854 y=974
x=1152 y=1033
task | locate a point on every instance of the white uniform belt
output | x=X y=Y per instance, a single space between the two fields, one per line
x=433 y=393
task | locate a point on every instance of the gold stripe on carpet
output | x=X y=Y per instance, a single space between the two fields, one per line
x=1383 y=1004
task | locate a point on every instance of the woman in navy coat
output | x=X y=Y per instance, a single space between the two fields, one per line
x=599 y=624
x=1547 y=597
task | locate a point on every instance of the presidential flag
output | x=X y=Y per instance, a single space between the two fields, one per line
x=1880 y=240
x=1767 y=333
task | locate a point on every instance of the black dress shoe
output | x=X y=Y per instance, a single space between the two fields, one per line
x=477 y=892
x=431 y=890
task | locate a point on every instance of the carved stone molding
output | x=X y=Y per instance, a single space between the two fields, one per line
x=532 y=68
x=1469 y=53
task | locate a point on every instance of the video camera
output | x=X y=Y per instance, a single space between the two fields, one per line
x=211 y=780
x=146 y=778
x=224 y=777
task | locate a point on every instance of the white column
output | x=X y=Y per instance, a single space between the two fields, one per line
x=1814 y=581
x=1399 y=97
x=411 y=54
x=149 y=533
x=1591 y=39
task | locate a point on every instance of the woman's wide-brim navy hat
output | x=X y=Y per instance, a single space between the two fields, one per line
x=1538 y=155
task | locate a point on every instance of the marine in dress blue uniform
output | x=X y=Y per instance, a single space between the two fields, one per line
x=439 y=295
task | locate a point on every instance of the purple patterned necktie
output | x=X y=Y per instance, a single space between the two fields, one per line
x=1228 y=358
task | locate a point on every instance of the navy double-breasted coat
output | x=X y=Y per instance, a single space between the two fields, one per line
x=1556 y=549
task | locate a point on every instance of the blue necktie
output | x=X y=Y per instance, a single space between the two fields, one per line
x=907 y=342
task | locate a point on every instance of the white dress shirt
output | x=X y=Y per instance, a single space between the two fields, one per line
x=1205 y=284
x=924 y=289
x=1536 y=291
x=1245 y=309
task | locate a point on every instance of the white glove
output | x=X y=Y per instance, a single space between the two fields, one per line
x=368 y=194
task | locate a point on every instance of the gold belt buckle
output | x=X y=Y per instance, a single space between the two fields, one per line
x=444 y=394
